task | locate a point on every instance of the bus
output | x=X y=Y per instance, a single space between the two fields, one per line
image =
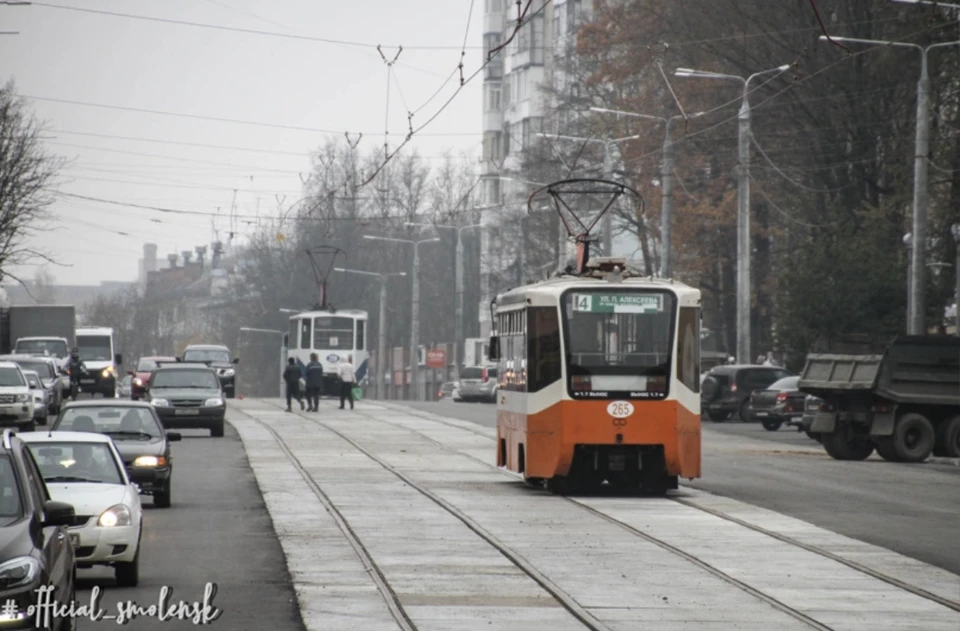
x=598 y=381
x=96 y=348
x=332 y=335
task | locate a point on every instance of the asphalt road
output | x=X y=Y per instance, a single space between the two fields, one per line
x=910 y=509
x=217 y=530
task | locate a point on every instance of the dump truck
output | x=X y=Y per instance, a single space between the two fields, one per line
x=903 y=402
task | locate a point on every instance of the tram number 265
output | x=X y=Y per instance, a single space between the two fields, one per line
x=620 y=409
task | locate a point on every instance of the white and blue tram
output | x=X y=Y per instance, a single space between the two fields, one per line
x=332 y=335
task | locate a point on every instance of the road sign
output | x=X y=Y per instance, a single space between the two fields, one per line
x=437 y=358
x=618 y=303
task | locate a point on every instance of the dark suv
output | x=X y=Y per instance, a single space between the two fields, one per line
x=187 y=396
x=35 y=551
x=726 y=389
x=217 y=357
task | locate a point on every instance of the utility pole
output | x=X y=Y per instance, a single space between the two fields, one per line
x=608 y=145
x=458 y=280
x=666 y=181
x=917 y=318
x=381 y=326
x=415 y=311
x=744 y=242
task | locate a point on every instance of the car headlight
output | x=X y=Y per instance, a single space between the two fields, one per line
x=150 y=461
x=23 y=398
x=160 y=403
x=138 y=382
x=214 y=402
x=18 y=571
x=107 y=372
x=229 y=372
x=118 y=515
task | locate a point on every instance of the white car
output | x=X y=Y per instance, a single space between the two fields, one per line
x=86 y=470
x=40 y=409
x=16 y=398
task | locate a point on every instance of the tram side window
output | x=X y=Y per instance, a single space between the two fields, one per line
x=543 y=347
x=688 y=348
x=305 y=329
x=360 y=335
x=512 y=366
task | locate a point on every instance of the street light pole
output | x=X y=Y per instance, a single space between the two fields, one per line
x=744 y=244
x=666 y=181
x=458 y=282
x=955 y=231
x=381 y=327
x=415 y=311
x=607 y=174
x=908 y=243
x=918 y=267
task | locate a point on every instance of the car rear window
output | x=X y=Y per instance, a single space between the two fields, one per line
x=787 y=383
x=471 y=373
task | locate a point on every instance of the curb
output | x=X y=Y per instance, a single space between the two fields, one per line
x=938 y=460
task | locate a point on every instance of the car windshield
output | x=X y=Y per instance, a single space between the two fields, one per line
x=75 y=462
x=615 y=340
x=9 y=490
x=45 y=370
x=56 y=348
x=184 y=379
x=146 y=365
x=11 y=377
x=132 y=422
x=217 y=357
x=94 y=347
x=787 y=383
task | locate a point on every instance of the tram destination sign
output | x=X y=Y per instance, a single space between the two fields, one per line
x=618 y=303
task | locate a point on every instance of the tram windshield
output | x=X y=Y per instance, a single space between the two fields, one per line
x=332 y=333
x=618 y=341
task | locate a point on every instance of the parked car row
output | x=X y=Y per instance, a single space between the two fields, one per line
x=768 y=395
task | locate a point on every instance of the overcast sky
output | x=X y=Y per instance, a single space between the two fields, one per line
x=65 y=58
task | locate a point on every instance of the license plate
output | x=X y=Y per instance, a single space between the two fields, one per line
x=617 y=463
x=762 y=414
x=88 y=381
x=75 y=540
x=187 y=412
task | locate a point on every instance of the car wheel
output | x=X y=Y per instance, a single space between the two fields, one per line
x=771 y=426
x=230 y=394
x=745 y=411
x=161 y=499
x=217 y=430
x=128 y=574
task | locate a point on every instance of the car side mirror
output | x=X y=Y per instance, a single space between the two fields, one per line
x=58 y=513
x=118 y=359
x=236 y=360
x=494 y=352
x=34 y=386
x=174 y=437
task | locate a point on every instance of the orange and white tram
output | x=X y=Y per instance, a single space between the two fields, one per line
x=599 y=380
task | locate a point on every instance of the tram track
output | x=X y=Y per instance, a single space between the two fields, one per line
x=886 y=578
x=383 y=585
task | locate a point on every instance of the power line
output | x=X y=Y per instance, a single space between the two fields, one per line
x=210 y=118
x=220 y=27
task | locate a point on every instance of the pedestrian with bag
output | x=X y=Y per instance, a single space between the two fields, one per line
x=291 y=376
x=314 y=383
x=348 y=379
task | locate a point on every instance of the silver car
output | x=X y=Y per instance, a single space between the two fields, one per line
x=478 y=383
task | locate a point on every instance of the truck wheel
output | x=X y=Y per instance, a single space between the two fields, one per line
x=948 y=437
x=885 y=449
x=839 y=447
x=913 y=438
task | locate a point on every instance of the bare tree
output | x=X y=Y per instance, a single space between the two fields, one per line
x=44 y=287
x=26 y=175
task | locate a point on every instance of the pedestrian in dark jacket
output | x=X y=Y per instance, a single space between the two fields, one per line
x=292 y=378
x=314 y=383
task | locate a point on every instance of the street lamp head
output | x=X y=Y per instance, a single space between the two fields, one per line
x=908 y=239
x=339 y=269
x=431 y=240
x=955 y=231
x=783 y=67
